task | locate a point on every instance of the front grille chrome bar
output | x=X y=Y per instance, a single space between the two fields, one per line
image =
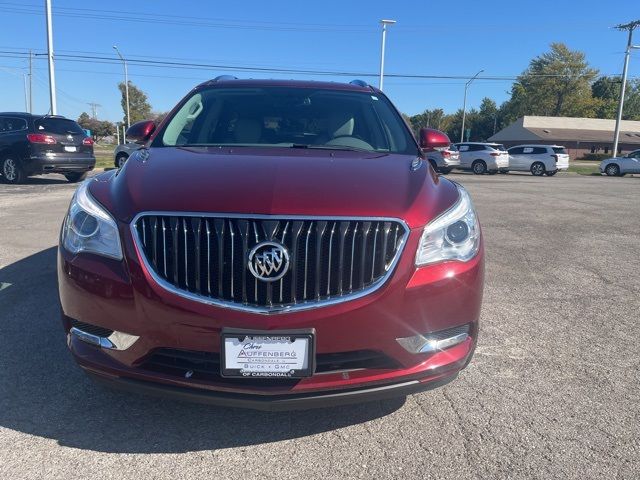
x=203 y=257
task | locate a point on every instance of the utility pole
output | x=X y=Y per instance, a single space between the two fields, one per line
x=464 y=103
x=94 y=109
x=630 y=27
x=26 y=94
x=384 y=39
x=52 y=74
x=126 y=84
x=30 y=82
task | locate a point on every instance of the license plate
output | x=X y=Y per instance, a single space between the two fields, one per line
x=70 y=149
x=267 y=354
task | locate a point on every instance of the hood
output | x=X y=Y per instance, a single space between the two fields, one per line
x=278 y=181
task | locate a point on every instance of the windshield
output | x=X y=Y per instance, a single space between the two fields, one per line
x=288 y=117
x=59 y=126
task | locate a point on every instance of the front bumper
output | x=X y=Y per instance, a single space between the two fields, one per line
x=122 y=296
x=60 y=164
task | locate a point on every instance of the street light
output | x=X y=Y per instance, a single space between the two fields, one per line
x=464 y=103
x=126 y=83
x=52 y=73
x=630 y=27
x=384 y=37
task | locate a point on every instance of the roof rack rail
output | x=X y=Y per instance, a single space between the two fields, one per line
x=224 y=77
x=360 y=83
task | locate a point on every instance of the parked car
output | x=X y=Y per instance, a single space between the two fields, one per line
x=618 y=166
x=442 y=159
x=275 y=245
x=483 y=157
x=38 y=144
x=123 y=152
x=538 y=159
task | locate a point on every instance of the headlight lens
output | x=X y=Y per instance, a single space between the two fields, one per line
x=454 y=235
x=89 y=228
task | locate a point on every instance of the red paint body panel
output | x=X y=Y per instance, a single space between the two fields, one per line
x=122 y=295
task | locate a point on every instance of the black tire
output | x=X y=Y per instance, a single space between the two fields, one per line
x=74 y=177
x=612 y=170
x=12 y=171
x=120 y=159
x=479 y=167
x=504 y=171
x=537 y=169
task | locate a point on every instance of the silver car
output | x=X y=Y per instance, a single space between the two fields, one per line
x=618 y=166
x=483 y=157
x=444 y=160
x=122 y=153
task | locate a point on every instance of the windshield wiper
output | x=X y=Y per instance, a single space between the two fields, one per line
x=331 y=147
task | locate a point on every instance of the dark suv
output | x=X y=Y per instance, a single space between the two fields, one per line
x=37 y=144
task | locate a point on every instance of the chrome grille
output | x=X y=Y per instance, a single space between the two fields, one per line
x=205 y=257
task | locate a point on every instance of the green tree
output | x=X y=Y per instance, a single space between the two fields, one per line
x=606 y=91
x=139 y=107
x=556 y=83
x=99 y=128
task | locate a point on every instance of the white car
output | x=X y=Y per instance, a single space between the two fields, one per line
x=538 y=159
x=618 y=166
x=483 y=157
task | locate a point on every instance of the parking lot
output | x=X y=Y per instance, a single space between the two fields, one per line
x=552 y=391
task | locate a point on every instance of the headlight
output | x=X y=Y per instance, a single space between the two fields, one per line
x=89 y=228
x=454 y=235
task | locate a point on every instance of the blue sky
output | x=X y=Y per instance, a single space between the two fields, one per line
x=430 y=38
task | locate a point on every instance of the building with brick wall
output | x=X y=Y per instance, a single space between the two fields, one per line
x=578 y=135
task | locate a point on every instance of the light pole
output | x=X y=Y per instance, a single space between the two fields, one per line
x=126 y=83
x=464 y=103
x=630 y=27
x=52 y=74
x=384 y=38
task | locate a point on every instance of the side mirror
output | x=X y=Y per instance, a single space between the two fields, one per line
x=430 y=139
x=140 y=132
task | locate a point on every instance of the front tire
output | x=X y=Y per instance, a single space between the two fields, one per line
x=537 y=169
x=612 y=170
x=11 y=171
x=479 y=167
x=121 y=159
x=74 y=177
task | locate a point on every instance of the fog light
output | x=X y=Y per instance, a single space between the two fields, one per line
x=435 y=341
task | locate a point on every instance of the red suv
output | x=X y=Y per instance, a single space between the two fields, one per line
x=275 y=245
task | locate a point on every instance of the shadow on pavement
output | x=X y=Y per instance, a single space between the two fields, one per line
x=43 y=393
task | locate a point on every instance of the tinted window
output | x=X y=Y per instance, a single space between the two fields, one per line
x=539 y=150
x=12 y=124
x=560 y=150
x=471 y=148
x=59 y=126
x=498 y=147
x=288 y=117
x=516 y=150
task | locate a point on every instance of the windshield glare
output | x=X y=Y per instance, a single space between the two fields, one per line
x=288 y=117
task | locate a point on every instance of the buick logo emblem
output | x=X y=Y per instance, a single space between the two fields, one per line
x=268 y=261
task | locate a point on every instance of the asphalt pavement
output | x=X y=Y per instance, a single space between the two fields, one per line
x=552 y=392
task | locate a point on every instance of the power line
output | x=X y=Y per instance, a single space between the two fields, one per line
x=209 y=66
